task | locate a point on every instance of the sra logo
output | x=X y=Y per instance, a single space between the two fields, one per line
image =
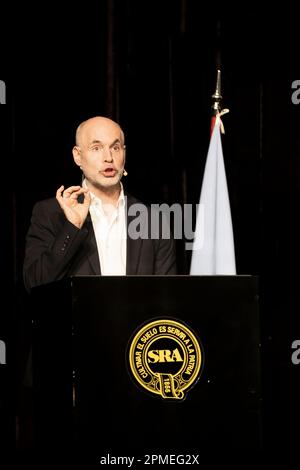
x=296 y=94
x=2 y=92
x=2 y=352
x=164 y=355
x=165 y=358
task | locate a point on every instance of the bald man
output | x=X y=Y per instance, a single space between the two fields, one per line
x=90 y=229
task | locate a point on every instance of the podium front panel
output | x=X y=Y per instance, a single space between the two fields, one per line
x=112 y=413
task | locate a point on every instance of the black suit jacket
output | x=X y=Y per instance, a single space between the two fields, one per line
x=56 y=249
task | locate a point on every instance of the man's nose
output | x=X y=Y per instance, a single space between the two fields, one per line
x=108 y=154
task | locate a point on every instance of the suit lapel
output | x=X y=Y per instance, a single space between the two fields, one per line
x=91 y=244
x=92 y=254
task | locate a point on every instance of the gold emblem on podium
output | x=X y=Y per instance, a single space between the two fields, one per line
x=165 y=358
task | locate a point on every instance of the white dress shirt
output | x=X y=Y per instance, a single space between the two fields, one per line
x=110 y=231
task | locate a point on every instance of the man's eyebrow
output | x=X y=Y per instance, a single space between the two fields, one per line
x=116 y=141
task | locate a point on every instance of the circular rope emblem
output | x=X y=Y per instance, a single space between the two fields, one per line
x=165 y=358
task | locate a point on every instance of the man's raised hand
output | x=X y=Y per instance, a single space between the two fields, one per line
x=75 y=211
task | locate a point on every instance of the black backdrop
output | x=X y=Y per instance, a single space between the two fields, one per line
x=152 y=66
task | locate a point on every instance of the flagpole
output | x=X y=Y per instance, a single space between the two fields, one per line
x=216 y=106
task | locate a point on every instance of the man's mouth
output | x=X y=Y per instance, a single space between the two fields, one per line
x=109 y=172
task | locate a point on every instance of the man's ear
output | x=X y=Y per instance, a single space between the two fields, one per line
x=76 y=155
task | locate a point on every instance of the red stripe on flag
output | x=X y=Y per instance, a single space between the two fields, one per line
x=212 y=124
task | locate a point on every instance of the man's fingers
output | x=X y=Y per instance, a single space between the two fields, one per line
x=85 y=192
x=72 y=194
x=59 y=191
x=67 y=192
x=75 y=194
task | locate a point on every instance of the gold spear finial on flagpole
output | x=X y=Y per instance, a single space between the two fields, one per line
x=217 y=111
x=217 y=97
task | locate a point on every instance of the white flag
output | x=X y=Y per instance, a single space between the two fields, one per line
x=213 y=247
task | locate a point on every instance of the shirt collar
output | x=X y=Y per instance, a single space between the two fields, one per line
x=96 y=201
